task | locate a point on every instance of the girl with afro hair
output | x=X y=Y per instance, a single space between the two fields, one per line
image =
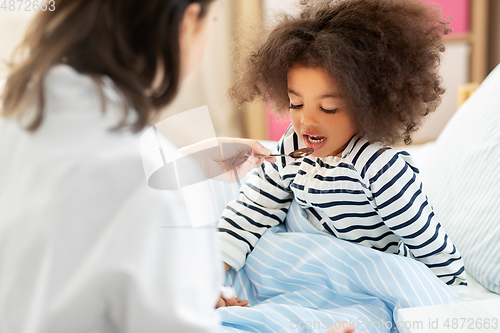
x=355 y=76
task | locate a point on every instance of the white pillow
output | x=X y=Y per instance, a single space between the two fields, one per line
x=461 y=177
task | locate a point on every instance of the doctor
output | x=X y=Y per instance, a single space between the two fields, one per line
x=85 y=244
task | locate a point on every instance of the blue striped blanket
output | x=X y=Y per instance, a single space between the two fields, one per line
x=298 y=279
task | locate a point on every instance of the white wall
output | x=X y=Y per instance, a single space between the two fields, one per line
x=277 y=7
x=455 y=72
x=13 y=25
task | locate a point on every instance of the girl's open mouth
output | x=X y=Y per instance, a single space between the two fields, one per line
x=314 y=142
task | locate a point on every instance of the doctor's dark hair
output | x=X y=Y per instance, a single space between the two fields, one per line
x=126 y=40
x=383 y=54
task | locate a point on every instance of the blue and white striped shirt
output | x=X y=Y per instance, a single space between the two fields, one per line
x=372 y=195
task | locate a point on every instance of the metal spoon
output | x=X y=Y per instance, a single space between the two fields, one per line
x=303 y=152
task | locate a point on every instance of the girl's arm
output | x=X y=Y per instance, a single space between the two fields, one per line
x=262 y=203
x=405 y=209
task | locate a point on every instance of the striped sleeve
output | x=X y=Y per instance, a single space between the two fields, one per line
x=262 y=203
x=405 y=209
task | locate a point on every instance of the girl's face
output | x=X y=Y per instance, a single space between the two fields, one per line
x=319 y=112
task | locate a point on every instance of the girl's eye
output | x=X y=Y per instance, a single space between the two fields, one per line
x=329 y=111
x=292 y=106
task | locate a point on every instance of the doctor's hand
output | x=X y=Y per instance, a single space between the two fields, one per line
x=227 y=159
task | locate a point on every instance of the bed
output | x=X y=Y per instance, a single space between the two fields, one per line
x=285 y=276
x=477 y=308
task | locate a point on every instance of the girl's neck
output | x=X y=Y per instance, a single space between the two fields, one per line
x=339 y=151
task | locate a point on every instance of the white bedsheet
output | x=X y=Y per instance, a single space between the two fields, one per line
x=475 y=290
x=479 y=316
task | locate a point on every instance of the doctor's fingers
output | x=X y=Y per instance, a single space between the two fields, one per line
x=258 y=148
x=246 y=146
x=248 y=165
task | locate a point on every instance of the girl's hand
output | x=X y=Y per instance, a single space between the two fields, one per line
x=230 y=301
x=341 y=330
x=344 y=329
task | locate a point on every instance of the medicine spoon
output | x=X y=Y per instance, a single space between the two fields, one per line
x=303 y=152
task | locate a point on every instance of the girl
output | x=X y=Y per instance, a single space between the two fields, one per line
x=356 y=76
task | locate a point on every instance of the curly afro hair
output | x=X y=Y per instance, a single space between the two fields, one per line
x=383 y=54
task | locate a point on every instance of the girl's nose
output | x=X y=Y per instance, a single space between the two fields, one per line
x=308 y=117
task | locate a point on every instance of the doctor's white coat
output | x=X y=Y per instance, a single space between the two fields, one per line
x=85 y=245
